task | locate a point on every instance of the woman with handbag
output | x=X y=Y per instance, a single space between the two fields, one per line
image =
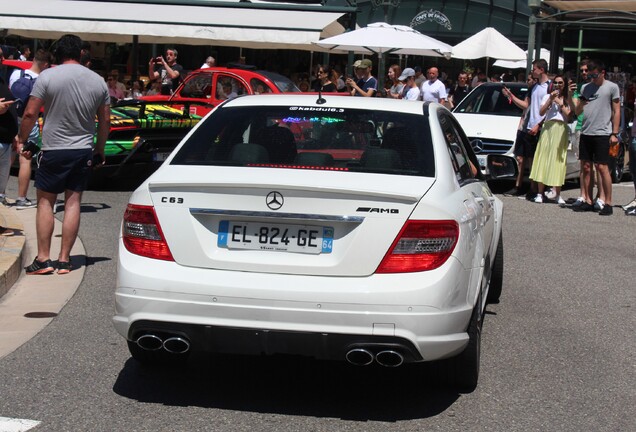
x=549 y=165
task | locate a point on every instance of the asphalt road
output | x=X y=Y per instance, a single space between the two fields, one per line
x=558 y=352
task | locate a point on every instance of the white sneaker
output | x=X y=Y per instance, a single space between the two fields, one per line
x=599 y=204
x=629 y=205
x=25 y=203
x=550 y=194
x=579 y=201
x=560 y=200
x=538 y=199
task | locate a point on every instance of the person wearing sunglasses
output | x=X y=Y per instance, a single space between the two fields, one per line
x=326 y=79
x=600 y=104
x=549 y=165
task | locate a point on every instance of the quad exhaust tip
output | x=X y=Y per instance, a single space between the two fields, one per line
x=389 y=358
x=176 y=345
x=150 y=342
x=173 y=344
x=359 y=357
x=364 y=357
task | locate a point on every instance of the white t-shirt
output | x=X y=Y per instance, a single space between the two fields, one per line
x=16 y=75
x=433 y=91
x=538 y=92
x=554 y=112
x=413 y=94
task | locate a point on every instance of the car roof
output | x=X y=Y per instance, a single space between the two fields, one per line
x=20 y=64
x=310 y=103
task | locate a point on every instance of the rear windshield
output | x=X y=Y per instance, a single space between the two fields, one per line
x=489 y=99
x=283 y=83
x=304 y=138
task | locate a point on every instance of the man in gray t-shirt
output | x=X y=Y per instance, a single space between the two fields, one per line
x=599 y=102
x=72 y=96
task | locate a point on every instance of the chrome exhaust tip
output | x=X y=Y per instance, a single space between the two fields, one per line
x=389 y=358
x=359 y=357
x=150 y=342
x=176 y=345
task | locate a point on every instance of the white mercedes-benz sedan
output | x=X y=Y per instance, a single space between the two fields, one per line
x=340 y=228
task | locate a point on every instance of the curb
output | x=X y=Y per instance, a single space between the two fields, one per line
x=11 y=249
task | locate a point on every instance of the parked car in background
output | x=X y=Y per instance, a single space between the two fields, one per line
x=216 y=84
x=491 y=122
x=142 y=135
x=350 y=229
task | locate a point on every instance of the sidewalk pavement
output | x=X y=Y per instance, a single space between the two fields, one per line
x=30 y=303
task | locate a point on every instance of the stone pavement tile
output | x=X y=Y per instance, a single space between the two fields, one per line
x=33 y=294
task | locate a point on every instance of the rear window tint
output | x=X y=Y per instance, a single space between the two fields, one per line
x=294 y=138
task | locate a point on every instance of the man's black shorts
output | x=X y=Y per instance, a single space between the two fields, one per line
x=59 y=170
x=594 y=148
x=525 y=144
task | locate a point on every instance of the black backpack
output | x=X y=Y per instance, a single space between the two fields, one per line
x=21 y=90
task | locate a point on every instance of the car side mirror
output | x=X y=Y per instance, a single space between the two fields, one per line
x=501 y=167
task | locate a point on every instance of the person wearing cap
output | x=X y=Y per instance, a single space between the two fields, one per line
x=433 y=90
x=412 y=90
x=366 y=85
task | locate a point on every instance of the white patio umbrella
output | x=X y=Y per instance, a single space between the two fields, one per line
x=521 y=64
x=488 y=43
x=382 y=38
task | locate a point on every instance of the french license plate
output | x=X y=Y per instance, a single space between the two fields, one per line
x=160 y=156
x=275 y=237
x=482 y=162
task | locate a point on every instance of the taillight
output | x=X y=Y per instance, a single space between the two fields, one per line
x=142 y=233
x=420 y=246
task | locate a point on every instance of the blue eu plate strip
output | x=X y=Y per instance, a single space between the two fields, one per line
x=222 y=238
x=327 y=239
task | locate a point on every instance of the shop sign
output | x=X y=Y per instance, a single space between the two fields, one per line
x=431 y=15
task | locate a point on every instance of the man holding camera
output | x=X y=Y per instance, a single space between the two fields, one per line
x=167 y=70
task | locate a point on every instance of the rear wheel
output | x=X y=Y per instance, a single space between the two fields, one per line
x=463 y=370
x=496 y=277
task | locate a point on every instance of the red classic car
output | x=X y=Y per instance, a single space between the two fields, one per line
x=216 y=84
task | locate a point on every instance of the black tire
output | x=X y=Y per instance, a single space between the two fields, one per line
x=155 y=358
x=463 y=370
x=496 y=276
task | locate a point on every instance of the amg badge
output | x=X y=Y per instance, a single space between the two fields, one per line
x=377 y=210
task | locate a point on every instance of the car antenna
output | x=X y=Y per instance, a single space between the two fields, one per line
x=321 y=100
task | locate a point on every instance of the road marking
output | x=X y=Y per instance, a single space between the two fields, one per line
x=16 y=425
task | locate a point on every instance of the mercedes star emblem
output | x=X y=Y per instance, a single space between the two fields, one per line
x=478 y=145
x=274 y=200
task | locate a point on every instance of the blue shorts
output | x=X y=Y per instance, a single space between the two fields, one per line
x=60 y=170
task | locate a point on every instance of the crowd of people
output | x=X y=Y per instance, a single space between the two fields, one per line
x=553 y=101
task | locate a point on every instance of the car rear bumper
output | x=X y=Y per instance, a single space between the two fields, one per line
x=252 y=313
